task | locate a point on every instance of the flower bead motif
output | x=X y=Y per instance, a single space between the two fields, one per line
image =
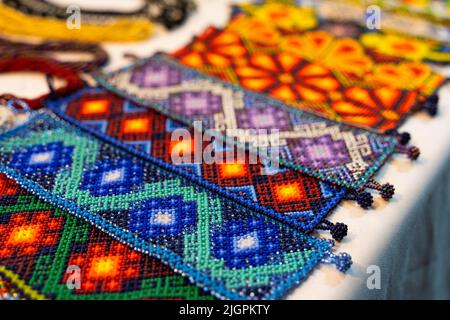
x=284 y=16
x=312 y=69
x=382 y=107
x=112 y=177
x=213 y=48
x=396 y=46
x=287 y=77
x=344 y=55
x=407 y=75
x=44 y=158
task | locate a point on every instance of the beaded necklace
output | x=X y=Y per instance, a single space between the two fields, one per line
x=168 y=13
x=120 y=30
x=48 y=49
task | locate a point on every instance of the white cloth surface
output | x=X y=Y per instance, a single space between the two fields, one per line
x=408 y=238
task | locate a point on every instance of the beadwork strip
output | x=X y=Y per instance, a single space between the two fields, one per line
x=287 y=30
x=331 y=151
x=44 y=250
x=336 y=70
x=234 y=251
x=297 y=199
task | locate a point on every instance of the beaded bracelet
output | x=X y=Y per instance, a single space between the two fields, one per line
x=120 y=30
x=331 y=151
x=294 y=198
x=232 y=250
x=170 y=13
x=9 y=48
x=54 y=243
x=353 y=78
x=47 y=67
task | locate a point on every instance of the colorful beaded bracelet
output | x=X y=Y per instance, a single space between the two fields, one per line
x=231 y=250
x=360 y=80
x=46 y=253
x=299 y=200
x=316 y=146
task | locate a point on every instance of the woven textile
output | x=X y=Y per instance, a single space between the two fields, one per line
x=331 y=151
x=300 y=200
x=232 y=250
x=337 y=70
x=40 y=242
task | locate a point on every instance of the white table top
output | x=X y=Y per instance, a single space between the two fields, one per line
x=373 y=233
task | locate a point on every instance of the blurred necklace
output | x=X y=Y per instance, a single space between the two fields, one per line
x=13 y=21
x=170 y=13
x=51 y=49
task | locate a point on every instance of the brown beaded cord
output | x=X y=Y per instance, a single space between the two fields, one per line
x=48 y=49
x=48 y=67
